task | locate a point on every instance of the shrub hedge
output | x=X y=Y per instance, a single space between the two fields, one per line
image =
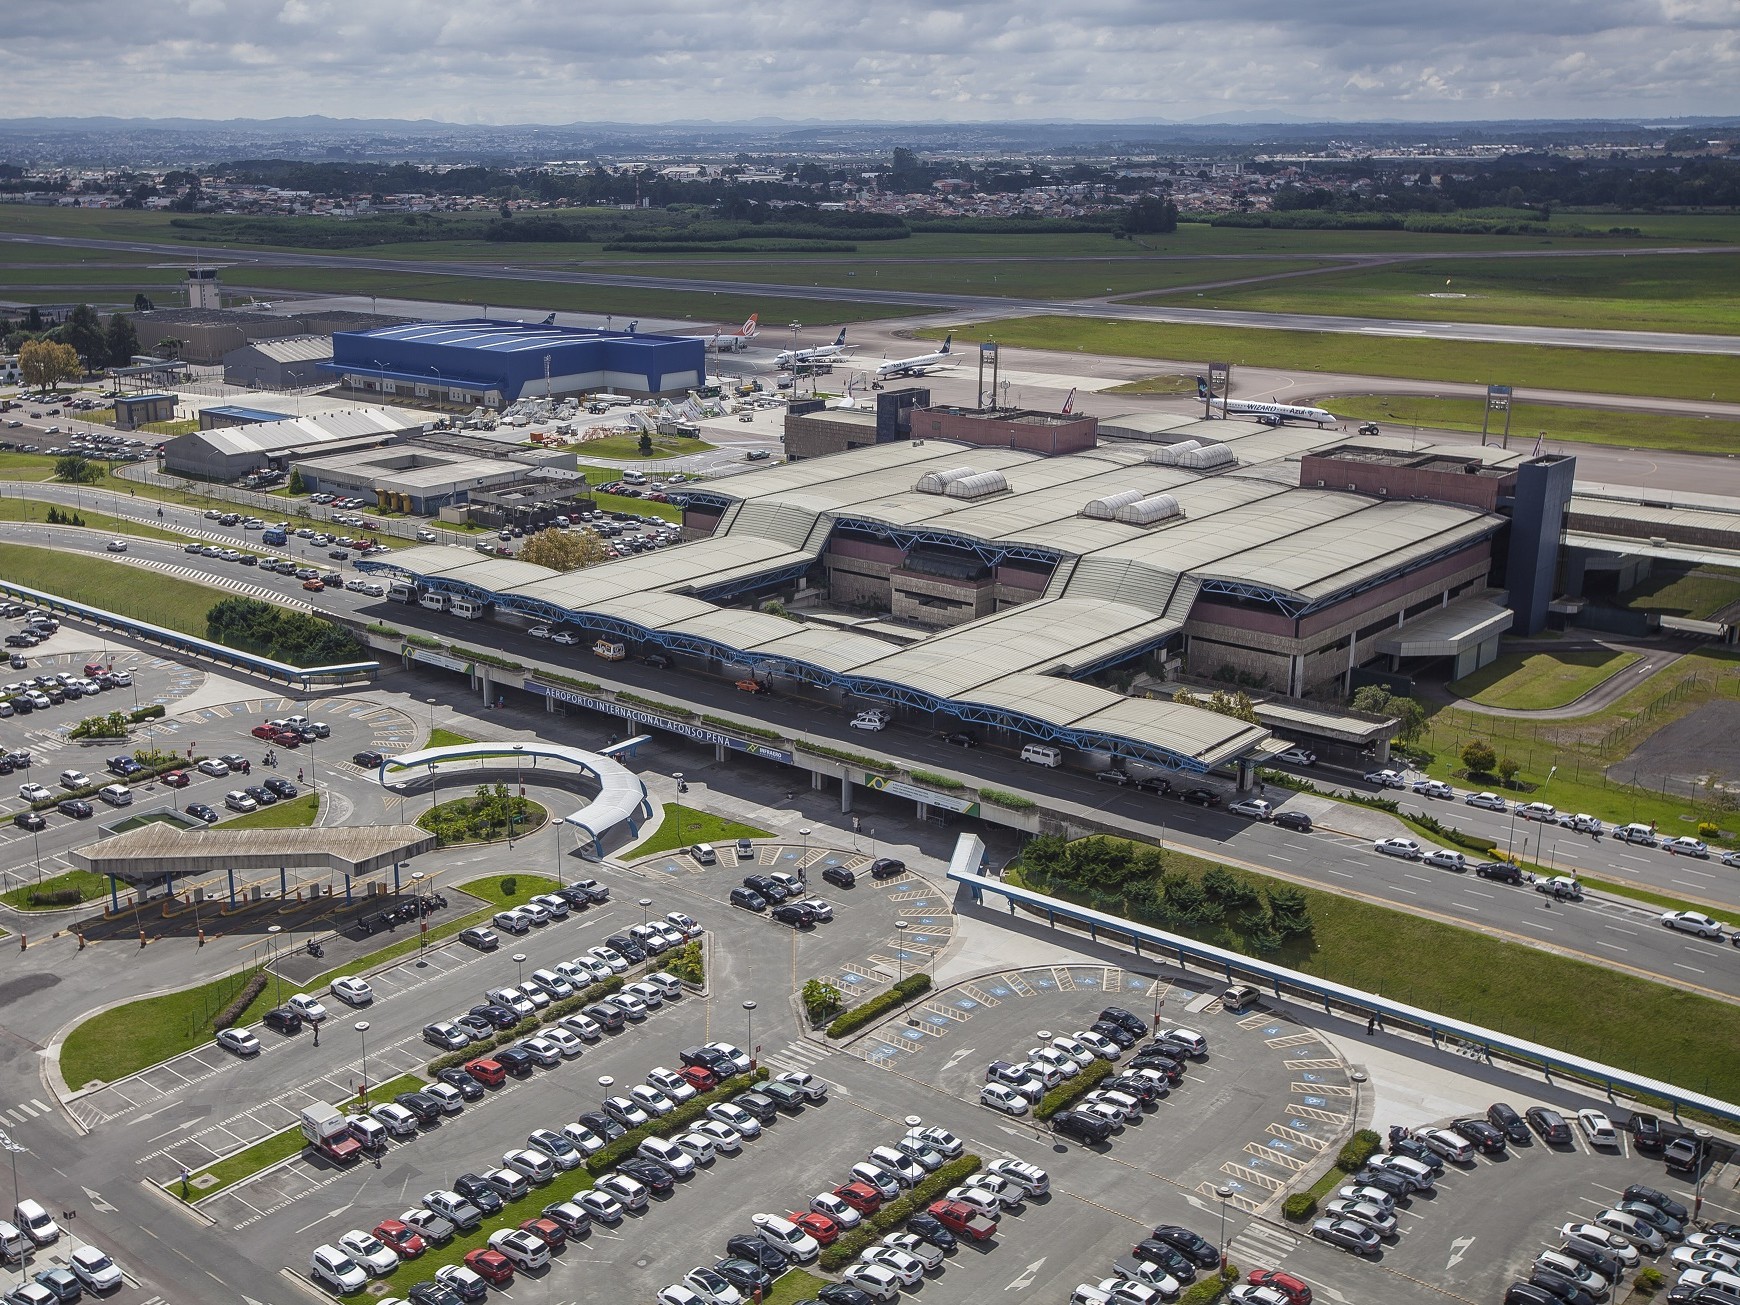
x=57 y=897
x=153 y=712
x=664 y=1125
x=1299 y=1207
x=231 y=1013
x=1013 y=801
x=1357 y=1150
x=896 y=1212
x=1071 y=1090
x=878 y=1006
x=1210 y=1289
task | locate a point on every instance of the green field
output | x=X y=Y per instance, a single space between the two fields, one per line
x=628 y=446
x=1699 y=593
x=90 y=886
x=1643 y=292
x=292 y=813
x=445 y=738
x=1607 y=371
x=163 y=600
x=1168 y=384
x=1541 y=681
x=35 y=511
x=1612 y=427
x=684 y=825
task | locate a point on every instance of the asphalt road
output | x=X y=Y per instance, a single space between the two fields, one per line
x=985 y=306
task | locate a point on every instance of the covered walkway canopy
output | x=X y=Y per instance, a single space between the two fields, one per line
x=1450 y=630
x=622 y=797
x=161 y=851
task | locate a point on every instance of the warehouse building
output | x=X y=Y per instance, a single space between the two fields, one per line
x=205 y=335
x=479 y=362
x=288 y=363
x=229 y=452
x=420 y=480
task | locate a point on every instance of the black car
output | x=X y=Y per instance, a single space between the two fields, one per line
x=479 y=1191
x=658 y=660
x=798 y=917
x=927 y=1227
x=421 y=1104
x=751 y=1279
x=281 y=786
x=461 y=1082
x=1166 y=1256
x=367 y=759
x=602 y=1124
x=1506 y=1120
x=961 y=739
x=433 y=1293
x=1083 y=1127
x=1549 y=1124
x=710 y=1059
x=1562 y=1288
x=769 y=890
x=839 y=876
x=281 y=1019
x=1127 y=1020
x=1484 y=1136
x=1297 y=821
x=1168 y=1060
x=1188 y=1244
x=1401 y=1143
x=1602 y=1263
x=262 y=795
x=200 y=811
x=1385 y=1180
x=1503 y=872
x=578 y=899
x=748 y=899
x=31 y=820
x=77 y=808
x=627 y=946
x=886 y=867
x=1201 y=797
x=515 y=1061
x=756 y=1251
x=651 y=1172
x=500 y=1017
x=1145 y=1090
x=1158 y=784
x=1646 y=1134
x=1116 y=1033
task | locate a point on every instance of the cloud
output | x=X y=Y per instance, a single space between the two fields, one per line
x=521 y=61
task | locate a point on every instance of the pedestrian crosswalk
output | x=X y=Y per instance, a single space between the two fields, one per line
x=1261 y=1245
x=24 y=1111
x=798 y=1057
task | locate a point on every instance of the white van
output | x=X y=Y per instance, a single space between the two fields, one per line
x=634 y=478
x=434 y=602
x=116 y=795
x=1041 y=755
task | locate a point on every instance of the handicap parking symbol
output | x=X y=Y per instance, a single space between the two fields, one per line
x=1298 y=1123
x=1278 y=1144
x=1311 y=1078
x=912 y=1035
x=1271 y=1030
x=1235 y=1184
x=923 y=901
x=939 y=1020
x=999 y=992
x=1044 y=983
x=967 y=1003
x=1313 y=1101
x=1087 y=982
x=851 y=978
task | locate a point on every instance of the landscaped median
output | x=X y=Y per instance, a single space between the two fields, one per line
x=913 y=986
x=891 y=1216
x=1071 y=1090
x=1348 y=1161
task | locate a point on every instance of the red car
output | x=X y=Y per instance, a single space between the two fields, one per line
x=962 y=1220
x=1294 y=1289
x=817 y=1225
x=492 y=1266
x=313 y=586
x=285 y=739
x=174 y=778
x=862 y=1197
x=263 y=731
x=548 y=1231
x=404 y=1239
x=752 y=686
x=699 y=1078
x=490 y=1073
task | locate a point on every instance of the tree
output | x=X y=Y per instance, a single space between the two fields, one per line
x=142 y=303
x=1478 y=757
x=85 y=334
x=563 y=550
x=121 y=341
x=44 y=364
x=646 y=447
x=821 y=998
x=1373 y=698
x=1151 y=216
x=297 y=485
x=1507 y=769
x=1412 y=717
x=170 y=347
x=74 y=469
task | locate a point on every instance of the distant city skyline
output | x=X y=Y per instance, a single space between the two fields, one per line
x=546 y=62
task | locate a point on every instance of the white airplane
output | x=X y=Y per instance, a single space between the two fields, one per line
x=815 y=353
x=919 y=365
x=732 y=341
x=1281 y=412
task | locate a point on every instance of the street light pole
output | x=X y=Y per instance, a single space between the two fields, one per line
x=272 y=932
x=749 y=1010
x=900 y=952
x=362 y=1028
x=422 y=925
x=520 y=961
x=803 y=865
x=644 y=903
x=1225 y=1194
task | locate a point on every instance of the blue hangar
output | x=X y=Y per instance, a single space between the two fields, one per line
x=490 y=363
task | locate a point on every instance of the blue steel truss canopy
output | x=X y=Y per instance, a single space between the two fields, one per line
x=621 y=800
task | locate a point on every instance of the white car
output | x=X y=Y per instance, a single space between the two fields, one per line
x=327 y=1264
x=1006 y=1099
x=674 y=1086
x=1386 y=778
x=1380 y=1221
x=630 y=1191
x=907 y=1171
x=611 y=957
x=1255 y=808
x=725 y=1139
x=565 y=637
x=542 y=1050
x=908 y=1268
x=559 y=1150
x=1075 y=1050
x=1436 y=788
x=1032 y=1178
x=533 y=1165
x=869 y=722
x=813 y=1088
x=1487 y=801
x=355 y=992
x=370 y=1252
x=679 y=1294
x=117 y=545
x=1684 y=846
x=213 y=767
x=94 y=1269
x=651 y=1100
x=786 y=1237
x=875 y=1281
x=1444 y=859
x=526 y=1250
x=940 y=1138
x=926 y=1253
x=984 y=1202
x=601 y=1205
x=1598 y=1129
x=395 y=1119
x=1603 y=1239
x=669 y=1154
x=697 y=1146
x=34 y=793
x=1298 y=757
x=885 y=1181
x=1102 y=1047
x=583 y=1138
x=1009 y=1194
x=687 y=925
x=583 y=1027
x=308 y=1007
x=836 y=1209
x=735 y=1117
x=540 y=632
x=1704 y=1257
x=1053 y=1059
x=1406 y=848
x=712 y=1286
x=236 y=800
x=565 y=1042
x=1693 y=922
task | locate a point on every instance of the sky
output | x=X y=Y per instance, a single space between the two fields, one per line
x=556 y=61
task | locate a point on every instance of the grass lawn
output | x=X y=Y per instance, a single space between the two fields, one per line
x=1699 y=593
x=39 y=466
x=1605 y=426
x=1607 y=371
x=793 y=1286
x=1641 y=292
x=90 y=886
x=1578 y=1007
x=1167 y=384
x=444 y=738
x=1538 y=681
x=684 y=825
x=128 y=591
x=32 y=510
x=291 y=813
x=628 y=446
x=447 y=821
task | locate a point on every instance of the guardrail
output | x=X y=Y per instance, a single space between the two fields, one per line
x=968 y=867
x=302 y=677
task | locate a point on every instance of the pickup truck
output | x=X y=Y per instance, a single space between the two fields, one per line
x=962 y=1220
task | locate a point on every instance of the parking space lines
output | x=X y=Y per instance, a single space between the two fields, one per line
x=1259 y=1243
x=1290 y=1039
x=1318 y=1114
x=1254 y=1178
x=1298 y=1137
x=1275 y=1155
x=978 y=994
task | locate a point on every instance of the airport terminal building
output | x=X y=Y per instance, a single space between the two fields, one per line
x=1012 y=591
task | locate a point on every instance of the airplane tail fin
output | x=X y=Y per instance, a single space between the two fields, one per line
x=1069 y=403
x=549 y=321
x=948 y=340
x=1201 y=388
x=749 y=326
x=841 y=337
